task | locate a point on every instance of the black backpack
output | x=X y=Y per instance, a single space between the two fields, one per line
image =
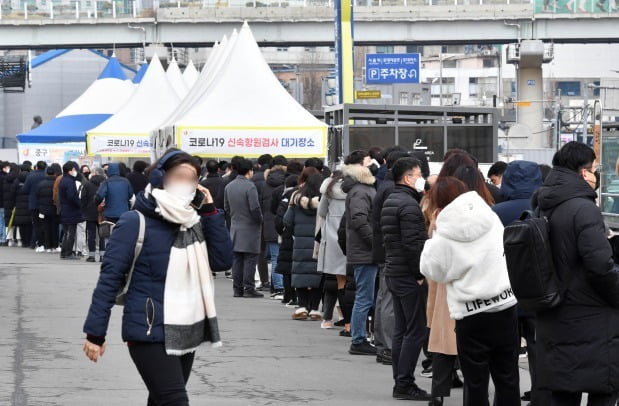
x=530 y=266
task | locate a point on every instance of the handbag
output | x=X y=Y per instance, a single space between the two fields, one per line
x=122 y=292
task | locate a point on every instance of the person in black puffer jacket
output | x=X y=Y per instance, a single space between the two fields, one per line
x=301 y=219
x=23 y=219
x=404 y=234
x=46 y=207
x=274 y=178
x=8 y=198
x=284 y=259
x=91 y=215
x=578 y=340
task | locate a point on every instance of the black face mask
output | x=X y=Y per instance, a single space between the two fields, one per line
x=373 y=169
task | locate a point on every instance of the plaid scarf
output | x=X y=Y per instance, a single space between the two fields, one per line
x=189 y=314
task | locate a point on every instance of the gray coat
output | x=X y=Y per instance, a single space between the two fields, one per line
x=242 y=204
x=331 y=259
x=359 y=188
x=301 y=218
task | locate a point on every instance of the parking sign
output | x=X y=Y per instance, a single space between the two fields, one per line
x=392 y=68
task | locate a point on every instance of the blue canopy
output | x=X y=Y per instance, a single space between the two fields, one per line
x=138 y=76
x=64 y=129
x=113 y=70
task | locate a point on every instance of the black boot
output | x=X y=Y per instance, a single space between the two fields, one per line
x=436 y=401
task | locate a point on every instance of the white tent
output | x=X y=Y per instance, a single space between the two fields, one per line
x=175 y=77
x=190 y=75
x=246 y=111
x=163 y=137
x=127 y=133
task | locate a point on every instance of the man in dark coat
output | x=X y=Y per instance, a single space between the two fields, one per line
x=138 y=180
x=212 y=181
x=358 y=185
x=30 y=187
x=242 y=205
x=520 y=180
x=91 y=216
x=46 y=208
x=578 y=341
x=383 y=314
x=264 y=162
x=70 y=209
x=404 y=234
x=5 y=167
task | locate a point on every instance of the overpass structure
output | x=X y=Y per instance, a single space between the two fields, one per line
x=409 y=22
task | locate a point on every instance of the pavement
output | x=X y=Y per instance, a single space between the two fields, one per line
x=267 y=358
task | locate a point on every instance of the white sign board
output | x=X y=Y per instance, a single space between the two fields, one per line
x=127 y=145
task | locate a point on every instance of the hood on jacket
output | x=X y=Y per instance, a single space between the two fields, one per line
x=354 y=174
x=96 y=179
x=276 y=176
x=336 y=191
x=113 y=169
x=146 y=204
x=561 y=185
x=466 y=219
x=520 y=180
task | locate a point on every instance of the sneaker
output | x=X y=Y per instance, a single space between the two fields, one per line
x=277 y=293
x=414 y=393
x=345 y=333
x=326 y=325
x=40 y=248
x=70 y=257
x=251 y=293
x=363 y=348
x=265 y=287
x=279 y=297
x=292 y=304
x=315 y=315
x=90 y=259
x=228 y=275
x=427 y=372
x=387 y=360
x=300 y=314
x=49 y=250
x=58 y=249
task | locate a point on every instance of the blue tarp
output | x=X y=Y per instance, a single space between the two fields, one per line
x=64 y=129
x=138 y=76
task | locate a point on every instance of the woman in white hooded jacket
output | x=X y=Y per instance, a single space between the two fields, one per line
x=466 y=254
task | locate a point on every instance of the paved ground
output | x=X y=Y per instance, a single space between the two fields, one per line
x=267 y=359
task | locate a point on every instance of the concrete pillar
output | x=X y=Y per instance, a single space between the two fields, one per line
x=531 y=92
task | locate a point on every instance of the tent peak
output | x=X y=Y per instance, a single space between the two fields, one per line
x=113 y=70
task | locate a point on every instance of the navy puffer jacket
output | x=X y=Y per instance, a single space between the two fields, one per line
x=148 y=281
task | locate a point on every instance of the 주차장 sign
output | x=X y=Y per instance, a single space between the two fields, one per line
x=392 y=68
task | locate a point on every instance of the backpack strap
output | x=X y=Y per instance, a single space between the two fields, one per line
x=139 y=242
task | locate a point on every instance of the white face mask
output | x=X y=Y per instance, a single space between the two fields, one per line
x=182 y=191
x=420 y=185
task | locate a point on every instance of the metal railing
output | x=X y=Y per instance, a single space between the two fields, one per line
x=85 y=9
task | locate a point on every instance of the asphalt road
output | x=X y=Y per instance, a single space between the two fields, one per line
x=267 y=359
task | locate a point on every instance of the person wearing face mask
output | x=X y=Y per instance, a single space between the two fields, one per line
x=70 y=209
x=578 y=340
x=117 y=193
x=169 y=307
x=403 y=229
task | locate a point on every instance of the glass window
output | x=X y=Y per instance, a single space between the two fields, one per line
x=473 y=86
x=489 y=62
x=596 y=90
x=403 y=97
x=384 y=49
x=569 y=88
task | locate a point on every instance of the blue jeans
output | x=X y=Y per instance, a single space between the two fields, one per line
x=277 y=279
x=2 y=226
x=365 y=278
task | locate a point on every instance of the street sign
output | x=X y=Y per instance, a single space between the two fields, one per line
x=367 y=94
x=392 y=68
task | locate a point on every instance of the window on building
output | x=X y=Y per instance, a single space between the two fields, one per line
x=444 y=49
x=513 y=88
x=414 y=49
x=473 y=88
x=384 y=49
x=417 y=100
x=489 y=62
x=403 y=97
x=569 y=88
x=449 y=87
x=596 y=90
x=282 y=49
x=450 y=63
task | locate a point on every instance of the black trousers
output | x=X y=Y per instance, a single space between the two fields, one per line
x=243 y=271
x=165 y=375
x=573 y=399
x=68 y=239
x=37 y=224
x=309 y=298
x=92 y=230
x=25 y=233
x=50 y=231
x=263 y=264
x=488 y=346
x=409 y=331
x=443 y=370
